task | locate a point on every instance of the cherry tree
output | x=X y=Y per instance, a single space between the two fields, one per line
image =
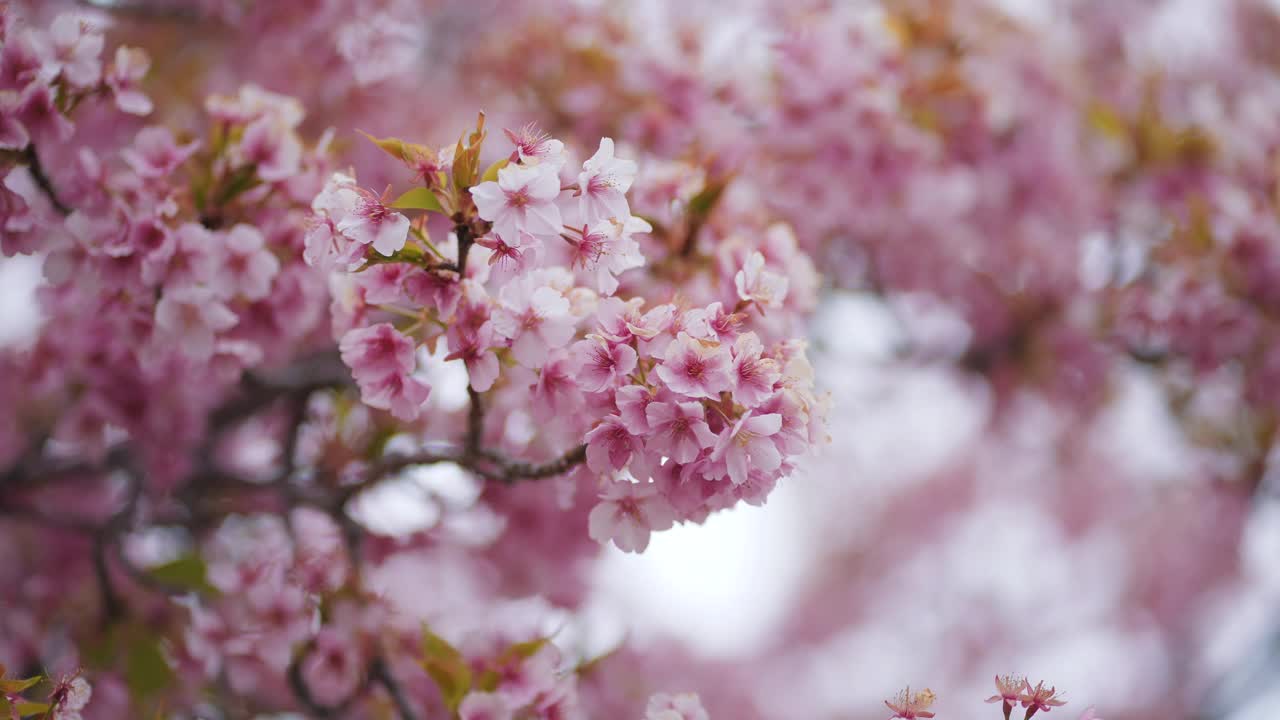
x=539 y=277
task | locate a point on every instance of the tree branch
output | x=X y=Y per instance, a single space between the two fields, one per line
x=42 y=179
x=513 y=470
x=381 y=673
x=112 y=608
x=475 y=424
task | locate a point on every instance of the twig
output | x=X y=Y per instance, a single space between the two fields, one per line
x=381 y=673
x=475 y=424
x=112 y=608
x=465 y=239
x=513 y=470
x=43 y=181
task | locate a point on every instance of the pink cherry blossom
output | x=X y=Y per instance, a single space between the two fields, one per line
x=678 y=430
x=748 y=445
x=75 y=47
x=632 y=402
x=13 y=134
x=695 y=368
x=912 y=706
x=272 y=148
x=378 y=46
x=189 y=258
x=129 y=67
x=376 y=351
x=478 y=705
x=753 y=376
x=535 y=318
x=757 y=284
x=27 y=210
x=684 y=706
x=602 y=364
x=247 y=267
x=439 y=290
x=402 y=395
x=1039 y=698
x=474 y=346
x=191 y=317
x=38 y=111
x=333 y=667
x=156 y=154
x=510 y=260
x=534 y=147
x=370 y=222
x=607 y=249
x=522 y=198
x=627 y=513
x=69 y=697
x=610 y=446
x=603 y=184
x=555 y=394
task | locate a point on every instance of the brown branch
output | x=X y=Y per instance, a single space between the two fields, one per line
x=475 y=424
x=321 y=371
x=42 y=179
x=513 y=470
x=465 y=240
x=112 y=607
x=381 y=672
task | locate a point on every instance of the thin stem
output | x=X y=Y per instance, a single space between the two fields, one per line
x=475 y=424
x=112 y=608
x=426 y=241
x=518 y=470
x=42 y=180
x=465 y=240
x=381 y=673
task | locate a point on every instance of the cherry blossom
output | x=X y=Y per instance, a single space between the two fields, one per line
x=603 y=184
x=192 y=317
x=521 y=199
x=685 y=706
x=678 y=430
x=749 y=444
x=535 y=318
x=602 y=364
x=74 y=51
x=248 y=266
x=370 y=222
x=156 y=153
x=628 y=512
x=695 y=368
x=909 y=706
x=128 y=68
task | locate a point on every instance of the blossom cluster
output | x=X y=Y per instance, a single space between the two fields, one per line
x=1012 y=691
x=44 y=76
x=686 y=410
x=237 y=352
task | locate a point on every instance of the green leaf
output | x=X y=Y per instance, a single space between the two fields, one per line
x=510 y=658
x=188 y=571
x=408 y=153
x=703 y=203
x=419 y=199
x=146 y=672
x=466 y=158
x=491 y=172
x=14 y=687
x=527 y=649
x=243 y=179
x=26 y=709
x=447 y=668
